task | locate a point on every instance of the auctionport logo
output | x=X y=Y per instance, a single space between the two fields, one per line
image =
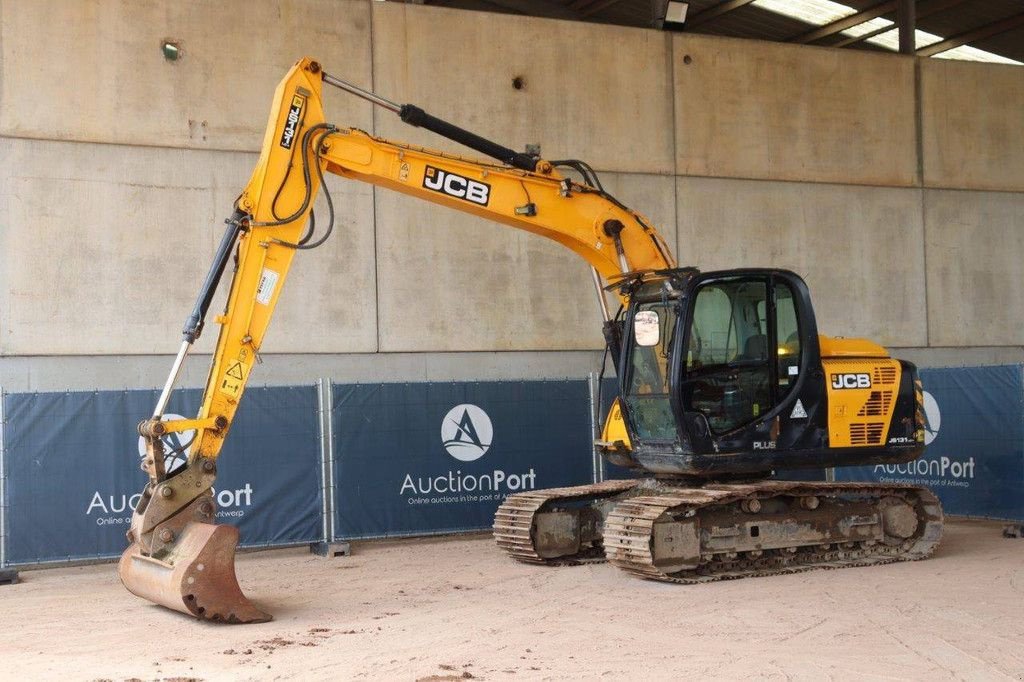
x=932 y=418
x=466 y=432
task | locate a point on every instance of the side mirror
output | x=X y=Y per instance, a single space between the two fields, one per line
x=646 y=328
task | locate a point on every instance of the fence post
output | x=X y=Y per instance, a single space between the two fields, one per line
x=327 y=547
x=3 y=483
x=8 y=576
x=595 y=456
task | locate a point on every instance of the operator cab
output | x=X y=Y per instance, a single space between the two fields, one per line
x=721 y=372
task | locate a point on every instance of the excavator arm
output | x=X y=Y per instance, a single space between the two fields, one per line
x=178 y=557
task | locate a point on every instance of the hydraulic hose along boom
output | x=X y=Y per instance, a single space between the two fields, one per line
x=178 y=557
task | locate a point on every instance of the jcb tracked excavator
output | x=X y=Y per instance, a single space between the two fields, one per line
x=723 y=378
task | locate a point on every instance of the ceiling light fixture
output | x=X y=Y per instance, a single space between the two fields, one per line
x=676 y=12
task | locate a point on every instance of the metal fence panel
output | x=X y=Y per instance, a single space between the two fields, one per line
x=415 y=459
x=3 y=484
x=73 y=465
x=974 y=459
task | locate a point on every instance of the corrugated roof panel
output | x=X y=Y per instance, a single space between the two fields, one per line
x=783 y=20
x=813 y=12
x=823 y=12
x=751 y=21
x=973 y=54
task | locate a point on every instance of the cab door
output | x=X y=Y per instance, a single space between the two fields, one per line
x=742 y=350
x=648 y=372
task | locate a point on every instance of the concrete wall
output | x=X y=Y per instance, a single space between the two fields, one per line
x=92 y=71
x=973 y=127
x=773 y=111
x=895 y=186
x=104 y=247
x=860 y=249
x=609 y=103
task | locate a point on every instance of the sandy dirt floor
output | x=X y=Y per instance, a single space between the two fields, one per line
x=455 y=609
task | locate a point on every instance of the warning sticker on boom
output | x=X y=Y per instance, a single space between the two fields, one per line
x=233 y=380
x=265 y=290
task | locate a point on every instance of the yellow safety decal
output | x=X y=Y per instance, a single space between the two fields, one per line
x=234 y=378
x=615 y=427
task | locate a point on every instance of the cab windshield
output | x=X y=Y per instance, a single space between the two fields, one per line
x=650 y=361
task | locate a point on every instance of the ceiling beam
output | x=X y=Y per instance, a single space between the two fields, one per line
x=980 y=33
x=659 y=8
x=714 y=12
x=857 y=39
x=845 y=23
x=599 y=6
x=924 y=9
x=906 y=20
x=538 y=8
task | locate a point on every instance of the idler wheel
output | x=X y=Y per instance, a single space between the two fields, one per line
x=899 y=520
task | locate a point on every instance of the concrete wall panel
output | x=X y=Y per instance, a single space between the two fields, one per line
x=974 y=243
x=454 y=282
x=103 y=249
x=93 y=71
x=860 y=249
x=597 y=93
x=753 y=109
x=79 y=373
x=972 y=125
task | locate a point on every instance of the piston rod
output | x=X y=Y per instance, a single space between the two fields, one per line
x=414 y=116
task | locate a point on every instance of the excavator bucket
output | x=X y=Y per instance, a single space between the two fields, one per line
x=196 y=575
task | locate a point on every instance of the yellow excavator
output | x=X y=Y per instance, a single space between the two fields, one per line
x=723 y=378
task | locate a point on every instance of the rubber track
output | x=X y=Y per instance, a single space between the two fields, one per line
x=629 y=528
x=513 y=521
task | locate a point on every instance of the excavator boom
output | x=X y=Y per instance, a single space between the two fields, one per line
x=177 y=556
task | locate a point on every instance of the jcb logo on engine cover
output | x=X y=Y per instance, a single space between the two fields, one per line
x=291 y=124
x=457 y=186
x=851 y=380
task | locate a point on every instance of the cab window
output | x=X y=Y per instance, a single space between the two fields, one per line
x=788 y=334
x=647 y=394
x=728 y=353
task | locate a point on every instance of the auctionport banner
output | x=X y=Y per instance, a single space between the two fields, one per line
x=413 y=459
x=974 y=455
x=73 y=476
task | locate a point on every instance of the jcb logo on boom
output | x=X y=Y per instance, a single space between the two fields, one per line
x=291 y=123
x=457 y=186
x=851 y=380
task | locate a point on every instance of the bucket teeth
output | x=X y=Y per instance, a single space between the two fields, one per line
x=195 y=576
